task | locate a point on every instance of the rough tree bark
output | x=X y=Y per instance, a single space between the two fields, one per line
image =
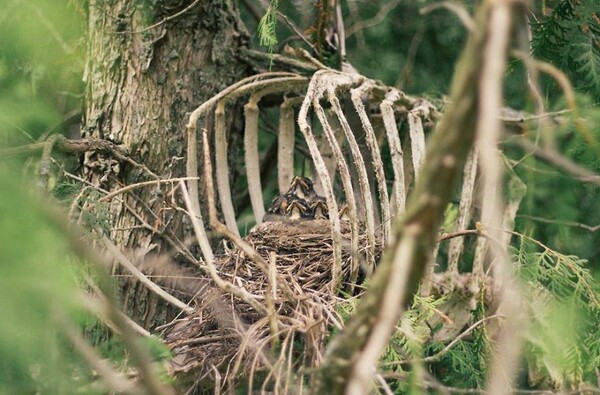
x=142 y=78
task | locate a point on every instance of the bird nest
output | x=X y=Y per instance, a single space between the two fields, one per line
x=228 y=340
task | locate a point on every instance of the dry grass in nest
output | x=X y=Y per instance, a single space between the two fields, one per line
x=228 y=341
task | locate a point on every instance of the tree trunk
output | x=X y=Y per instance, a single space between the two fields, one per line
x=143 y=78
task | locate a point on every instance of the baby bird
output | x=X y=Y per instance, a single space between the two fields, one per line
x=300 y=202
x=343 y=213
x=318 y=207
x=287 y=207
x=302 y=187
x=279 y=207
x=298 y=210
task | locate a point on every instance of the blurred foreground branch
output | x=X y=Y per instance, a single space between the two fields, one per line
x=350 y=361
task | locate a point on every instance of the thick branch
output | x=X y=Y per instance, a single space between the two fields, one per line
x=371 y=140
x=363 y=179
x=352 y=355
x=391 y=129
x=285 y=147
x=252 y=158
x=346 y=183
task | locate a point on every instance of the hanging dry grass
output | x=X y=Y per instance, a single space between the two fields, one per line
x=227 y=340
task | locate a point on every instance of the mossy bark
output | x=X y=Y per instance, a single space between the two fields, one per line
x=142 y=82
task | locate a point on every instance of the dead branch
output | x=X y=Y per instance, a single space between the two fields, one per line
x=449 y=236
x=60 y=143
x=141 y=359
x=130 y=187
x=391 y=128
x=222 y=166
x=417 y=138
x=225 y=231
x=285 y=146
x=346 y=182
x=356 y=95
x=224 y=285
x=352 y=355
x=464 y=210
x=295 y=30
x=489 y=129
x=315 y=90
x=192 y=139
x=363 y=179
x=437 y=356
x=458 y=10
x=589 y=228
x=252 y=157
x=98 y=305
x=554 y=158
x=285 y=61
x=141 y=277
x=377 y=19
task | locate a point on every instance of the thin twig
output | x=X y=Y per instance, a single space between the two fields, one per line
x=458 y=10
x=141 y=359
x=567 y=88
x=448 y=236
x=225 y=231
x=270 y=295
x=224 y=285
x=437 y=356
x=165 y=20
x=295 y=29
x=509 y=115
x=376 y=20
x=284 y=60
x=589 y=228
x=130 y=187
x=556 y=159
x=141 y=277
x=113 y=380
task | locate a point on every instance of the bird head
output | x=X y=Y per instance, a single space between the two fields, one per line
x=297 y=209
x=280 y=204
x=344 y=213
x=319 y=209
x=302 y=187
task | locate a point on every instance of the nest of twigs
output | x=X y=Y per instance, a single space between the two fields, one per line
x=228 y=340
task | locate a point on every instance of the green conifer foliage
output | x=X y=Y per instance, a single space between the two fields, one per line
x=570 y=39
